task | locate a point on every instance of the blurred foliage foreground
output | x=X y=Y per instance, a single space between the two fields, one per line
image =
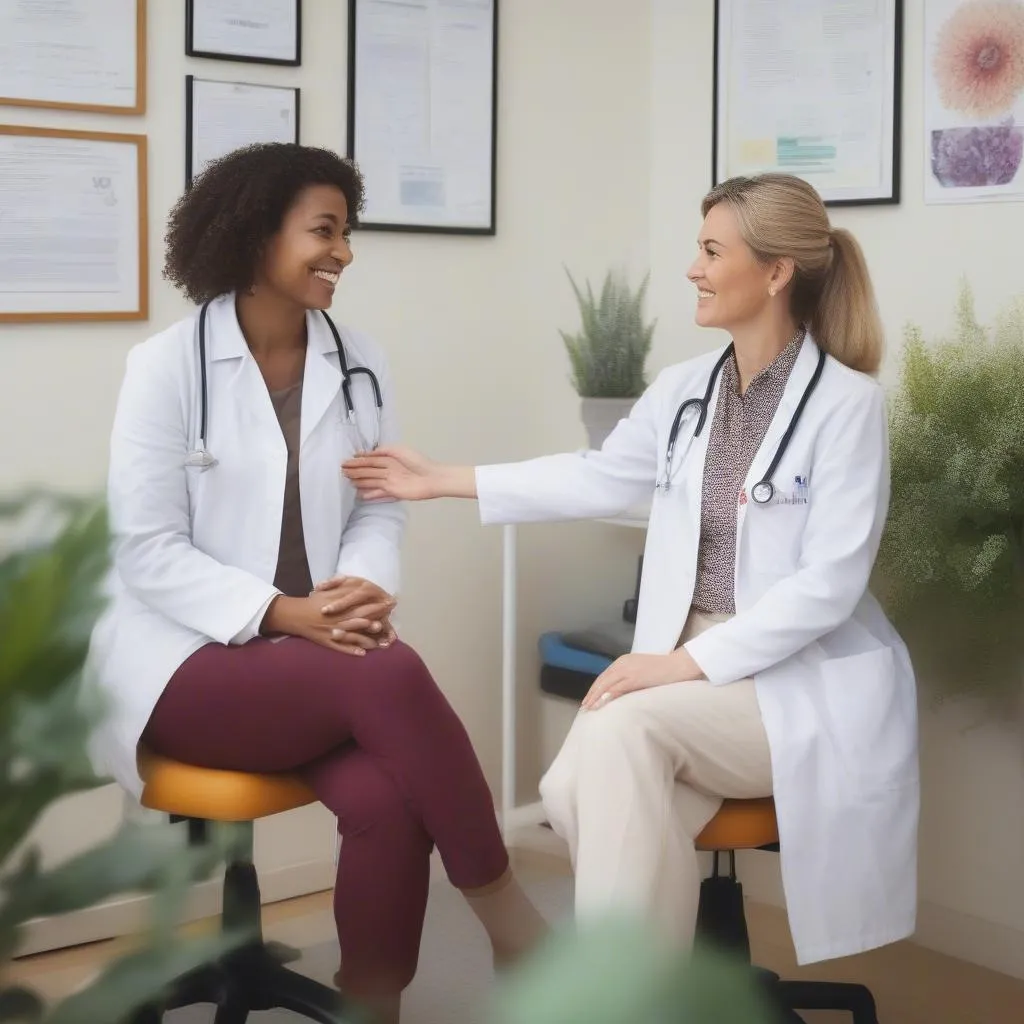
x=53 y=559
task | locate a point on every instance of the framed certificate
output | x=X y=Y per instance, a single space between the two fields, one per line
x=255 y=31
x=223 y=116
x=74 y=55
x=810 y=88
x=73 y=208
x=422 y=103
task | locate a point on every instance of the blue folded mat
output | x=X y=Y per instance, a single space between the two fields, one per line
x=556 y=652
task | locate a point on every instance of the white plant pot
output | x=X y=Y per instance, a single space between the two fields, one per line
x=601 y=415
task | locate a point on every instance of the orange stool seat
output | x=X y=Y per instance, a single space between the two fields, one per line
x=741 y=825
x=214 y=795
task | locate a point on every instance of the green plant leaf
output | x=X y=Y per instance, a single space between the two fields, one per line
x=138 y=858
x=134 y=980
x=607 y=357
x=615 y=971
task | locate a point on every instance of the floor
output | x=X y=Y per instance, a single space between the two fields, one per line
x=912 y=985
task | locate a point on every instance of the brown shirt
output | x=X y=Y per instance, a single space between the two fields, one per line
x=293 y=576
x=737 y=430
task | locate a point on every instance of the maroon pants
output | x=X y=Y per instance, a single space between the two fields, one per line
x=381 y=747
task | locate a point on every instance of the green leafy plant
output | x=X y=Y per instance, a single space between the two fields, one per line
x=53 y=558
x=950 y=571
x=615 y=971
x=609 y=352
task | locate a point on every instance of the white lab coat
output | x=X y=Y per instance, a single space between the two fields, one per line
x=833 y=679
x=196 y=550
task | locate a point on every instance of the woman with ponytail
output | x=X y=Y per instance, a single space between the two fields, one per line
x=761 y=664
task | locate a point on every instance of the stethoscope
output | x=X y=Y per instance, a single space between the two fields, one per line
x=200 y=455
x=764 y=490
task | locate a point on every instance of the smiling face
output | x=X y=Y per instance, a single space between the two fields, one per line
x=734 y=288
x=304 y=260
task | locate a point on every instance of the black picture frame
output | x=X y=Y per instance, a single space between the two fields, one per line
x=190 y=113
x=892 y=195
x=368 y=223
x=191 y=51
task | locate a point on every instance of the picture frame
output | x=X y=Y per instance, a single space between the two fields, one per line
x=221 y=116
x=824 y=105
x=117 y=29
x=77 y=179
x=214 y=30
x=447 y=185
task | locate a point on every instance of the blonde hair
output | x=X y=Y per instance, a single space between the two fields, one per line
x=780 y=216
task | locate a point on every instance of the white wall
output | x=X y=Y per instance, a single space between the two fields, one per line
x=972 y=834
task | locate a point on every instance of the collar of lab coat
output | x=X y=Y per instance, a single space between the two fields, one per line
x=224 y=338
x=322 y=373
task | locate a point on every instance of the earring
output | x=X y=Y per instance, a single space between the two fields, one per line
x=771 y=292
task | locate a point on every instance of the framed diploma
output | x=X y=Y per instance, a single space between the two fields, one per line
x=422 y=103
x=223 y=116
x=810 y=88
x=74 y=55
x=73 y=223
x=255 y=31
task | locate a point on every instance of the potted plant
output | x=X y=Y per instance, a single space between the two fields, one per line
x=609 y=353
x=950 y=570
x=53 y=558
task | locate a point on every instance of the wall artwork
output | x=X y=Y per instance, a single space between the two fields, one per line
x=974 y=101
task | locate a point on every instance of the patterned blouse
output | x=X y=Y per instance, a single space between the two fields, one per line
x=737 y=430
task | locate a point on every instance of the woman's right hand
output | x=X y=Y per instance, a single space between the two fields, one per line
x=401 y=474
x=354 y=624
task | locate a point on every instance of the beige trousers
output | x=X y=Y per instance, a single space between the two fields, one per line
x=638 y=779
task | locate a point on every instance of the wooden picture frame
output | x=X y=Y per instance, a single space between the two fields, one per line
x=136 y=107
x=192 y=49
x=818 y=154
x=372 y=218
x=140 y=222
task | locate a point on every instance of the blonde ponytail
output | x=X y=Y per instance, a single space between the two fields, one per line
x=845 y=320
x=780 y=215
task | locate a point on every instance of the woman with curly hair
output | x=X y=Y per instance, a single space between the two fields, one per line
x=249 y=625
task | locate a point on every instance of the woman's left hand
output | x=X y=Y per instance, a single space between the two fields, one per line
x=640 y=672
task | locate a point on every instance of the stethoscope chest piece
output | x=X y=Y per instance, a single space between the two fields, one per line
x=763 y=492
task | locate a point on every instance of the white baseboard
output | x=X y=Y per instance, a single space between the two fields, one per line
x=990 y=944
x=127 y=915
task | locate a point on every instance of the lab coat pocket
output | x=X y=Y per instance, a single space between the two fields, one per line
x=776 y=534
x=866 y=717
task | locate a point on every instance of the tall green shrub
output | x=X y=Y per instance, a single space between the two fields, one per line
x=951 y=566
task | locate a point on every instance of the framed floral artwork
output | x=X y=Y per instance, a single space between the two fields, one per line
x=974 y=101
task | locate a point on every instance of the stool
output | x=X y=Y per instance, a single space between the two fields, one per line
x=721 y=921
x=252 y=977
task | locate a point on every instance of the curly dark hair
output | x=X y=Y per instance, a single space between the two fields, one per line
x=217 y=230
